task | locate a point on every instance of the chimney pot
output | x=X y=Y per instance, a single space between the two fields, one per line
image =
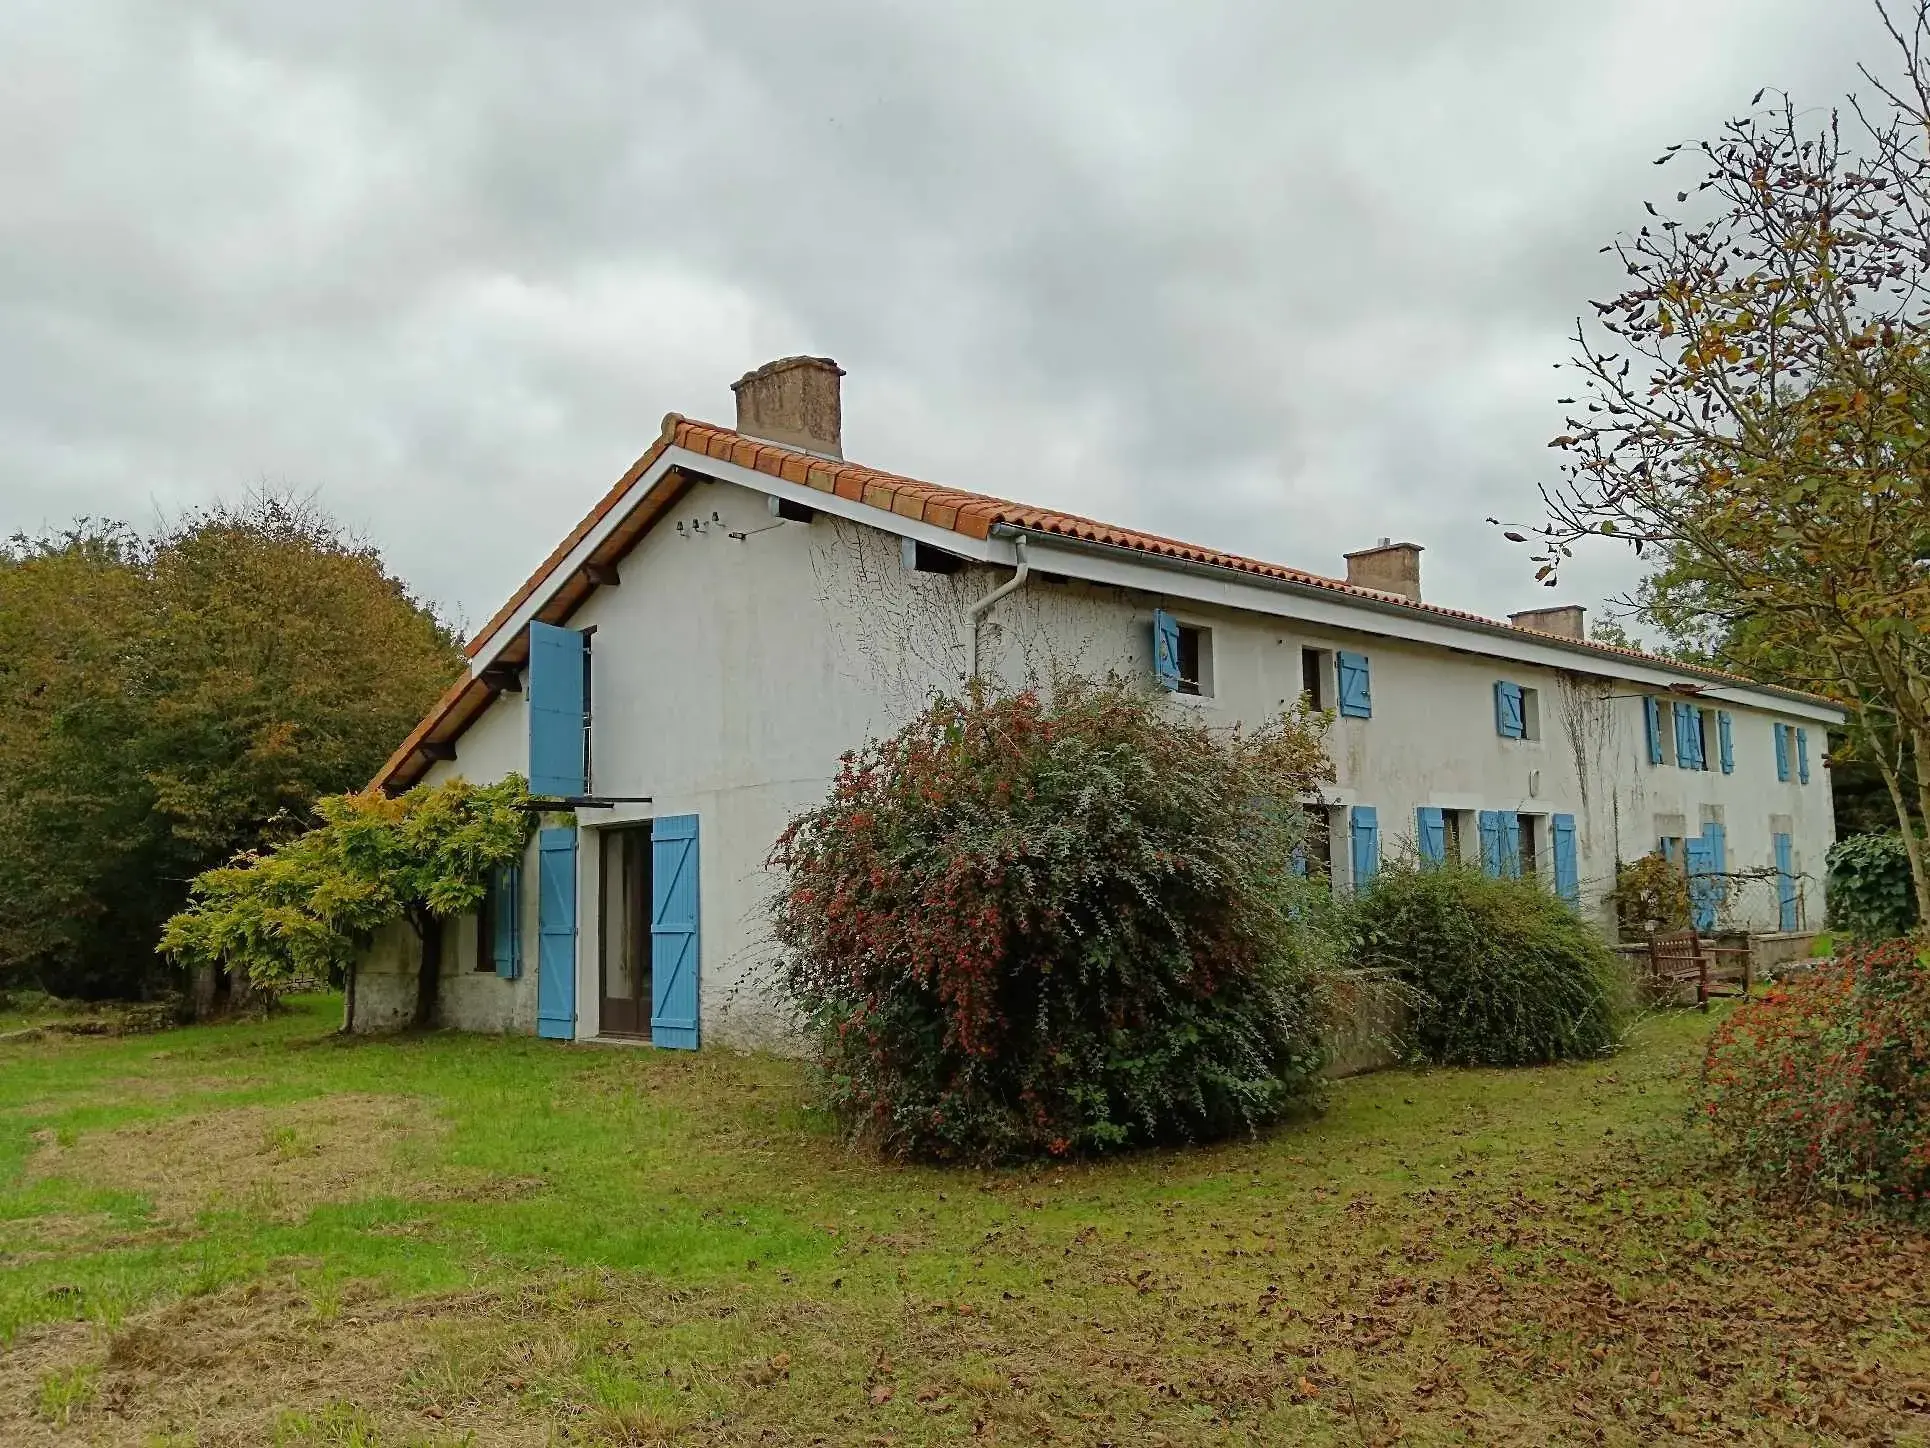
x=1569 y=620
x=1388 y=567
x=793 y=401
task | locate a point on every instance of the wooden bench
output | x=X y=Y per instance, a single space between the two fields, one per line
x=1714 y=970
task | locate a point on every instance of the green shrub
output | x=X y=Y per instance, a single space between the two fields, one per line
x=1870 y=892
x=1023 y=926
x=1507 y=973
x=1822 y=1086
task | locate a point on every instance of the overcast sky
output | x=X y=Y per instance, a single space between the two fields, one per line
x=1273 y=275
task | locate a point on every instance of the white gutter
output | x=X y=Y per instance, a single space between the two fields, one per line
x=975 y=615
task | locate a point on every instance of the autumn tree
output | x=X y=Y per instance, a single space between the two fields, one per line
x=306 y=907
x=169 y=700
x=1754 y=406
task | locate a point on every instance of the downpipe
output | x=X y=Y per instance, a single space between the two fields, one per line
x=975 y=615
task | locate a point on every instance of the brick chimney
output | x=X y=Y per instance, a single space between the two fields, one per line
x=793 y=401
x=1388 y=566
x=1570 y=620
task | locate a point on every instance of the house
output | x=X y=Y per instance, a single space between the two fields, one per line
x=687 y=666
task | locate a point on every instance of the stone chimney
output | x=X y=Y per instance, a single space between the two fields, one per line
x=1570 y=620
x=793 y=401
x=1388 y=566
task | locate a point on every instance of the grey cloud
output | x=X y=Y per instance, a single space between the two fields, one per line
x=1282 y=278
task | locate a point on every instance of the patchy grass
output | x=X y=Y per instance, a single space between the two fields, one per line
x=261 y=1234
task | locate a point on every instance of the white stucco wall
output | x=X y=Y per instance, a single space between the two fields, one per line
x=730 y=672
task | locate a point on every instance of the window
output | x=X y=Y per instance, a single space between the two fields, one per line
x=486 y=917
x=1182 y=655
x=1195 y=660
x=1316 y=858
x=1517 y=710
x=1529 y=847
x=1454 y=828
x=1316 y=678
x=499 y=945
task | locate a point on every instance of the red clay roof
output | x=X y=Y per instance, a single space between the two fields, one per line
x=973 y=515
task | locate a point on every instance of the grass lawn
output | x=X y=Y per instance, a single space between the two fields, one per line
x=262 y=1234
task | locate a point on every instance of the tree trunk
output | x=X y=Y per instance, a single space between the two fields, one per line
x=428 y=930
x=348 y=1009
x=1912 y=843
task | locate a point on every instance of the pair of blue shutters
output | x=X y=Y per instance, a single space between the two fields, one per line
x=675 y=902
x=1687 y=722
x=1784 y=734
x=1705 y=858
x=1500 y=843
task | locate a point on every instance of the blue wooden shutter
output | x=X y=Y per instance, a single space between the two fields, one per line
x=1431 y=834
x=1652 y=717
x=1366 y=844
x=1511 y=845
x=556 y=933
x=1785 y=883
x=1493 y=842
x=1568 y=879
x=1356 y=694
x=1684 y=735
x=674 y=907
x=1726 y=741
x=556 y=700
x=506 y=944
x=1802 y=756
x=1703 y=887
x=1508 y=722
x=1782 y=752
x=1166 y=649
x=1718 y=838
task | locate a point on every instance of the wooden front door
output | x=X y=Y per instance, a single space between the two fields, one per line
x=624 y=946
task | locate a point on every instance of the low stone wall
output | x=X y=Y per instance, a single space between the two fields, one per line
x=467 y=999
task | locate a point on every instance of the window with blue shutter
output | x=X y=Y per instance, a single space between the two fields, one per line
x=1688 y=737
x=506 y=921
x=1705 y=890
x=1365 y=826
x=556 y=933
x=1568 y=879
x=1511 y=844
x=1509 y=721
x=674 y=935
x=1494 y=842
x=1782 y=752
x=1785 y=883
x=1802 y=756
x=1356 y=696
x=1652 y=716
x=1726 y=742
x=558 y=701
x=1166 y=650
x=1431 y=834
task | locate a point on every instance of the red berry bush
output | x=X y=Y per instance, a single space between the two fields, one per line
x=1028 y=925
x=1822 y=1087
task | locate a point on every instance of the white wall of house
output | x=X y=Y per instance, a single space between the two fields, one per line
x=739 y=658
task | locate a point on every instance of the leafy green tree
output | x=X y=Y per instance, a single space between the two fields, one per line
x=167 y=701
x=1755 y=406
x=306 y=907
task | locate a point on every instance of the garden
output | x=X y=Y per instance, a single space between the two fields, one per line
x=1067 y=1161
